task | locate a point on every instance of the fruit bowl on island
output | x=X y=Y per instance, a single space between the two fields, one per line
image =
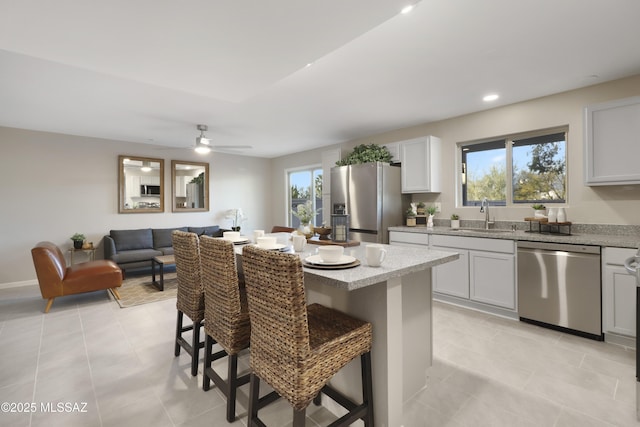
x=323 y=232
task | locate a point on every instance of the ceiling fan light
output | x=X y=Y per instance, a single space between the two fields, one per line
x=202 y=148
x=203 y=140
x=146 y=166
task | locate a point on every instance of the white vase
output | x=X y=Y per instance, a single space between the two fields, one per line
x=430 y=221
x=562 y=215
x=552 y=216
x=455 y=223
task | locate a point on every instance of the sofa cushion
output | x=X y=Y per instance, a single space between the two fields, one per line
x=136 y=255
x=162 y=237
x=212 y=231
x=166 y=251
x=126 y=240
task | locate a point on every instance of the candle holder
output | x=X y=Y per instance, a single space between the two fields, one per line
x=340 y=227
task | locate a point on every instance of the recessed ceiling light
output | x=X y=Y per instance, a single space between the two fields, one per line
x=491 y=97
x=407 y=9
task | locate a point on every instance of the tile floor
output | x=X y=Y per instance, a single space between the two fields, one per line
x=487 y=371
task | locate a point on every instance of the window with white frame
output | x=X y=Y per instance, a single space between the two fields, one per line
x=517 y=169
x=305 y=185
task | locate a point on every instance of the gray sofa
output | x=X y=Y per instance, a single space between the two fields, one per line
x=134 y=249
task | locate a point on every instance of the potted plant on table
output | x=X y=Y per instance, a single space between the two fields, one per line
x=411 y=217
x=78 y=240
x=421 y=208
x=539 y=211
x=455 y=221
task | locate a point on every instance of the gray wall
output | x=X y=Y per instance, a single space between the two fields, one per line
x=54 y=185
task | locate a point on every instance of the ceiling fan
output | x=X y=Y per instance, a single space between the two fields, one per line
x=204 y=146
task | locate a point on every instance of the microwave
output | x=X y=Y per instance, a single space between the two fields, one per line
x=149 y=190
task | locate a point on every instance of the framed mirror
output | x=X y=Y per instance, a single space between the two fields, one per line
x=189 y=186
x=141 y=184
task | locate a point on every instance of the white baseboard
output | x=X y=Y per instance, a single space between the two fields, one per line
x=18 y=284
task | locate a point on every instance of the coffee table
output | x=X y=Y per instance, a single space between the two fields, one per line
x=160 y=261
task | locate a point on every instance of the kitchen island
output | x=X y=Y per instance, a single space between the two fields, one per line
x=396 y=299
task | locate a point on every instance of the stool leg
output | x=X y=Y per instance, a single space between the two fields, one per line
x=178 y=333
x=254 y=395
x=299 y=417
x=367 y=387
x=195 y=348
x=208 y=349
x=232 y=383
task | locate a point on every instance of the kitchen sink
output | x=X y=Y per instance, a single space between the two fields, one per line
x=481 y=230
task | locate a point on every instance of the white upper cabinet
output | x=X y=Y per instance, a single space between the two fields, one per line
x=421 y=165
x=612 y=142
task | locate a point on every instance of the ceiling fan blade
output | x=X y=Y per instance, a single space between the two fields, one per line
x=232 y=147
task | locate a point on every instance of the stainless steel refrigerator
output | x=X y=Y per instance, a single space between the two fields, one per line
x=371 y=194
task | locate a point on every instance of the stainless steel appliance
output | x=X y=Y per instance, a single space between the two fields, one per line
x=371 y=194
x=559 y=286
x=149 y=190
x=633 y=267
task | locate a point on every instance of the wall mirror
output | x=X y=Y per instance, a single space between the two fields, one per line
x=189 y=186
x=141 y=184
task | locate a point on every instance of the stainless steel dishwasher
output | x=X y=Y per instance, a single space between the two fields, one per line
x=559 y=286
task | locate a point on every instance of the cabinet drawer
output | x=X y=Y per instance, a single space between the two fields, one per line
x=474 y=243
x=617 y=255
x=415 y=238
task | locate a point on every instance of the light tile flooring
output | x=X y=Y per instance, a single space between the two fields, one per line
x=487 y=371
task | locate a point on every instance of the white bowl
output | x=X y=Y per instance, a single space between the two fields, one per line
x=267 y=242
x=330 y=253
x=231 y=235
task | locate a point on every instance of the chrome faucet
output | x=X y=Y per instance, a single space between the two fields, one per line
x=484 y=207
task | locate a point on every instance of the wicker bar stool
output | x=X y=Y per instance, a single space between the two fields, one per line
x=296 y=348
x=226 y=317
x=190 y=298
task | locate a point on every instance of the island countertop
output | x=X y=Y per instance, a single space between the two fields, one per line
x=399 y=261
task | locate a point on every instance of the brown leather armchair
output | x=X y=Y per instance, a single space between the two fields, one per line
x=56 y=279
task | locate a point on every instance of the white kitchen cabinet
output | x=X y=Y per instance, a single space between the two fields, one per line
x=452 y=278
x=619 y=293
x=484 y=277
x=492 y=278
x=421 y=160
x=612 y=142
x=181 y=185
x=149 y=180
x=133 y=186
x=400 y=238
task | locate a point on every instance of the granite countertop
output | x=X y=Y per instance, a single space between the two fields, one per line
x=583 y=237
x=399 y=261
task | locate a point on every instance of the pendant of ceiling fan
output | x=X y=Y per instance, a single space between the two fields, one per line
x=203 y=144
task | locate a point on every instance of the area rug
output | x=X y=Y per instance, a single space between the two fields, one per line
x=138 y=290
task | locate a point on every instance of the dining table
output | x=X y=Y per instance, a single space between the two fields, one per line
x=396 y=297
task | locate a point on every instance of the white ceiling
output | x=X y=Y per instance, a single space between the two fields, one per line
x=149 y=71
